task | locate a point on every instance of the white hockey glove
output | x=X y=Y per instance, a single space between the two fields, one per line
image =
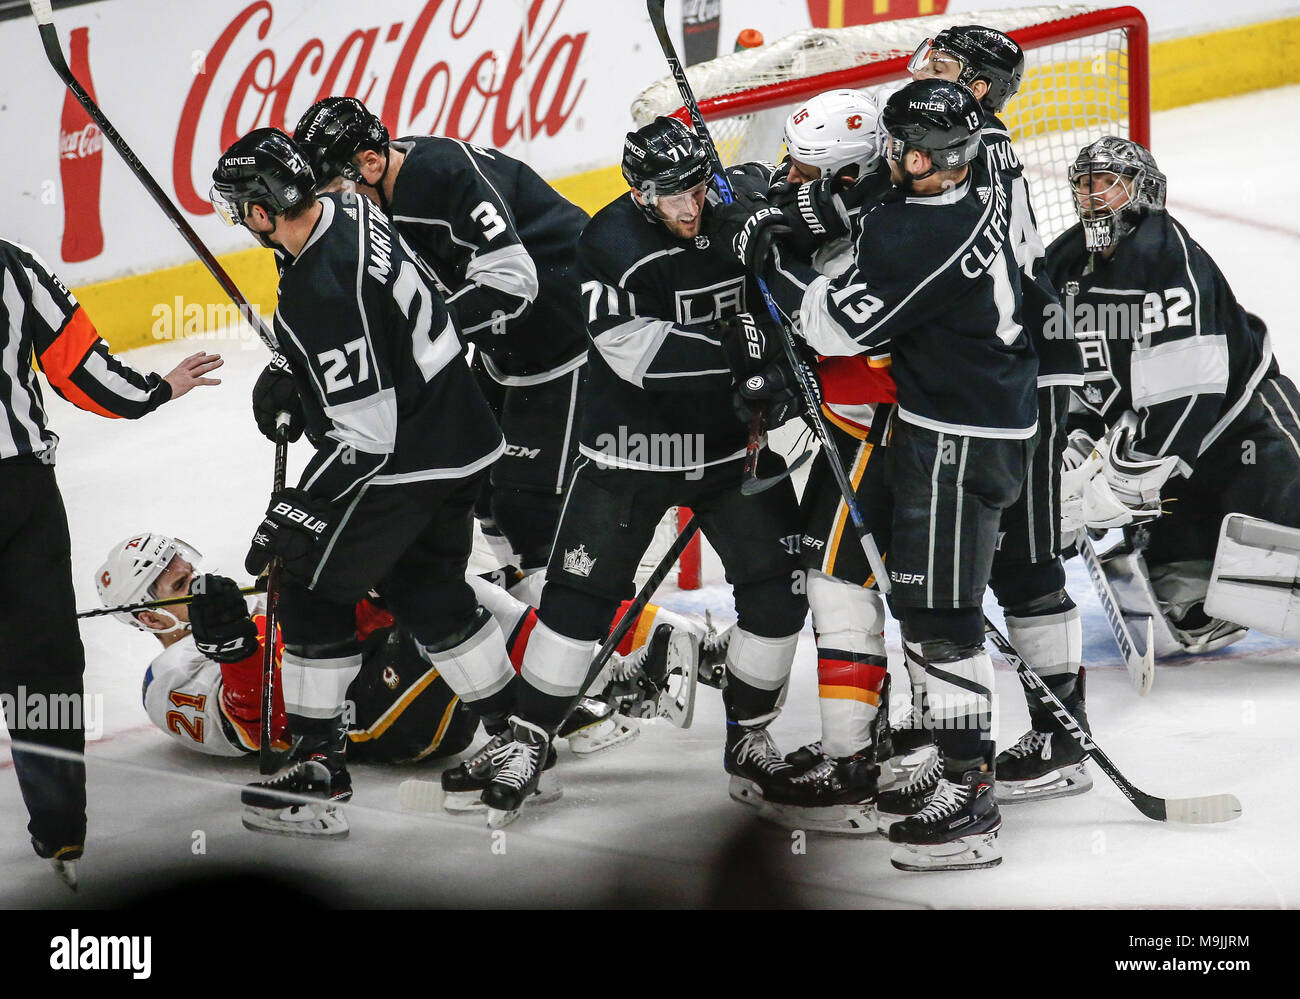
x=1111 y=486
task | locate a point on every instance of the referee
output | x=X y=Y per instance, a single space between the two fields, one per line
x=40 y=649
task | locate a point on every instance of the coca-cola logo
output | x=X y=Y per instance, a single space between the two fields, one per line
x=486 y=102
x=84 y=142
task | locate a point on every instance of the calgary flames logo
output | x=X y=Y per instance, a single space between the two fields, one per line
x=854 y=121
x=105 y=580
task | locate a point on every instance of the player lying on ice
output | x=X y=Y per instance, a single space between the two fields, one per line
x=204 y=688
x=1197 y=453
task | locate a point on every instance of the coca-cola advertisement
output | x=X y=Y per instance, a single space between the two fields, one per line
x=547 y=81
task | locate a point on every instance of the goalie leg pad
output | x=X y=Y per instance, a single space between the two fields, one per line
x=1255 y=581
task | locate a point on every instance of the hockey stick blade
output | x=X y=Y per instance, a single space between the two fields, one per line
x=421 y=796
x=1141 y=665
x=752 y=487
x=1210 y=808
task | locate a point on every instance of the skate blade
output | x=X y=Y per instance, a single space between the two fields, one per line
x=677 y=701
x=610 y=733
x=1060 y=783
x=831 y=820
x=308 y=821
x=970 y=853
x=745 y=791
x=66 y=870
x=421 y=796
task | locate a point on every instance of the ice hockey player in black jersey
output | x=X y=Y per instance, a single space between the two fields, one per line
x=403 y=439
x=500 y=244
x=670 y=329
x=936 y=278
x=1198 y=443
x=1028 y=575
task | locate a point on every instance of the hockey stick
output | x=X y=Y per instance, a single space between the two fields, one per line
x=1195 y=811
x=50 y=40
x=151 y=604
x=656 y=10
x=1141 y=666
x=54 y=53
x=268 y=760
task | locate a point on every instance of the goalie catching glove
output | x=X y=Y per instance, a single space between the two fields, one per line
x=295 y=528
x=1108 y=484
x=223 y=629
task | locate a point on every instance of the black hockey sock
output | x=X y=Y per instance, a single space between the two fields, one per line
x=744 y=701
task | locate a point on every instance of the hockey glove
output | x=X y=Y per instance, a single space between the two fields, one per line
x=223 y=629
x=749 y=343
x=295 y=527
x=776 y=391
x=273 y=393
x=750 y=226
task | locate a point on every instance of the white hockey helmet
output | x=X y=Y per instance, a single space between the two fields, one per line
x=132 y=568
x=835 y=130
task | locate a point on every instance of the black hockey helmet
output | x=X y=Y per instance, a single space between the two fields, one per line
x=333 y=131
x=663 y=158
x=1126 y=160
x=984 y=54
x=265 y=168
x=937 y=117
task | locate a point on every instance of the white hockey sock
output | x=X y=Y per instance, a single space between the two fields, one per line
x=476 y=668
x=851 y=665
x=317 y=687
x=556 y=664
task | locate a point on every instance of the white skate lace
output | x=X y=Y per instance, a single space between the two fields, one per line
x=757 y=746
x=521 y=761
x=625 y=667
x=947 y=799
x=490 y=751
x=713 y=646
x=1031 y=743
x=926 y=774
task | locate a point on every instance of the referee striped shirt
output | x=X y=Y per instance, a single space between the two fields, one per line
x=41 y=322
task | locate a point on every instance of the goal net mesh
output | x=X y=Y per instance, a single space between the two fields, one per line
x=1075 y=89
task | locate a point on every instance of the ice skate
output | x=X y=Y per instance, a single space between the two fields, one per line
x=463 y=784
x=302 y=801
x=516 y=772
x=593 y=726
x=834 y=796
x=755 y=764
x=957 y=829
x=1042 y=765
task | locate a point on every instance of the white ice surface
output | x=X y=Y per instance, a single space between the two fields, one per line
x=647 y=821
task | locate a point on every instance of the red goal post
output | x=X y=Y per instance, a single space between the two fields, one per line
x=1086 y=75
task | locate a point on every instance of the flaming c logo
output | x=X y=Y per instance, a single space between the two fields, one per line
x=854 y=121
x=106 y=579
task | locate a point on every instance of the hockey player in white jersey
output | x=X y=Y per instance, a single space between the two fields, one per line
x=204 y=688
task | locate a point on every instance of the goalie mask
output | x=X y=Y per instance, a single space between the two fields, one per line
x=131 y=572
x=664 y=161
x=836 y=131
x=980 y=53
x=1115 y=183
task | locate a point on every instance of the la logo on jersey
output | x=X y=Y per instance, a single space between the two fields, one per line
x=703 y=305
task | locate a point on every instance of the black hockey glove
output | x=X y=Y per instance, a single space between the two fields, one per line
x=749 y=225
x=223 y=629
x=275 y=392
x=776 y=391
x=295 y=527
x=749 y=343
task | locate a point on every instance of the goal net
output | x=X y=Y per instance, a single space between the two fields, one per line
x=1085 y=77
